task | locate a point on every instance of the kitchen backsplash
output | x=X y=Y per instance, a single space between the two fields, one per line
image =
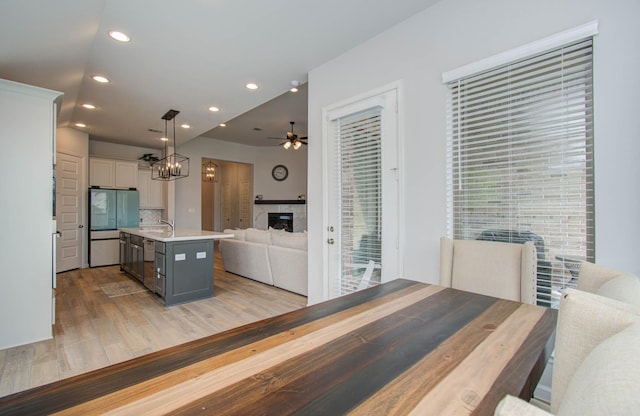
x=150 y=216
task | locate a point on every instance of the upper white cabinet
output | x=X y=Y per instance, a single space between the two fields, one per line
x=126 y=174
x=109 y=173
x=151 y=192
x=102 y=173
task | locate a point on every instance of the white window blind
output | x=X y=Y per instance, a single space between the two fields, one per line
x=520 y=160
x=359 y=168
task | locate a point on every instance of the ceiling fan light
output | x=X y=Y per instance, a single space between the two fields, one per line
x=286 y=145
x=297 y=144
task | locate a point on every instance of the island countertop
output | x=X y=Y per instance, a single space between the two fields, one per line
x=162 y=233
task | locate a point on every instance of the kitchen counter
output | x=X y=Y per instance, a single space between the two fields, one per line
x=164 y=234
x=179 y=267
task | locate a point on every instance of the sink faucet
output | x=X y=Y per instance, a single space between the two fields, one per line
x=170 y=223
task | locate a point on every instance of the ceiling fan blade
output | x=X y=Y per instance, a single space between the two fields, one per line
x=276 y=138
x=303 y=138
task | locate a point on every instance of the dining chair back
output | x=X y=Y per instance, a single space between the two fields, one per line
x=503 y=270
x=612 y=283
x=596 y=368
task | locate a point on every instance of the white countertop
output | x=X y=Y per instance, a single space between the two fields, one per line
x=161 y=233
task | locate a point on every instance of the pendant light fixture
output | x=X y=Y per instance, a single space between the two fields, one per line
x=171 y=166
x=210 y=172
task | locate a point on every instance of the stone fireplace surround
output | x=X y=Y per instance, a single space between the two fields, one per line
x=261 y=215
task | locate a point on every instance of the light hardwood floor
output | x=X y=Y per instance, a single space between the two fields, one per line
x=94 y=331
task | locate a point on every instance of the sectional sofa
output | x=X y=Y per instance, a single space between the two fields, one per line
x=273 y=257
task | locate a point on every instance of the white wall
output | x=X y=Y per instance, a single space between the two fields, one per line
x=119 y=151
x=188 y=204
x=26 y=133
x=457 y=32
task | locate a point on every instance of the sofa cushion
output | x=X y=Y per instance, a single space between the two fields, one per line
x=258 y=236
x=289 y=240
x=608 y=380
x=624 y=287
x=238 y=234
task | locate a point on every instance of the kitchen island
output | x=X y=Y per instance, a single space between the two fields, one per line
x=179 y=266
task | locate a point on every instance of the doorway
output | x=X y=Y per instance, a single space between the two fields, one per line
x=362 y=192
x=69 y=205
x=226 y=199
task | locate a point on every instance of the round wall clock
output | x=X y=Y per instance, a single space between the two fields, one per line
x=280 y=172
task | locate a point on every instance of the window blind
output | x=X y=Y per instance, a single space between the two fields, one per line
x=520 y=160
x=359 y=167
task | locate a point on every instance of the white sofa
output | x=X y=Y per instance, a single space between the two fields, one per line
x=274 y=257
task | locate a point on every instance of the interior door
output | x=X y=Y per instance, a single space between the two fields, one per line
x=245 y=191
x=362 y=194
x=69 y=212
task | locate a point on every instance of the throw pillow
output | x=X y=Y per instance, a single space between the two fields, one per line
x=238 y=234
x=290 y=240
x=258 y=236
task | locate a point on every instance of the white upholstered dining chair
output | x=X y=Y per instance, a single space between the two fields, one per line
x=612 y=283
x=503 y=270
x=597 y=365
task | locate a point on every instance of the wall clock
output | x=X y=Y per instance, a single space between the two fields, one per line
x=280 y=172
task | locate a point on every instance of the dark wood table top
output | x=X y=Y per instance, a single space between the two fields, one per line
x=399 y=348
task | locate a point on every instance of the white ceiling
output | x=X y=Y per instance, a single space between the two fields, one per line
x=187 y=55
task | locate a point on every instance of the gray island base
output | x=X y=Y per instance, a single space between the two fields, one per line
x=181 y=267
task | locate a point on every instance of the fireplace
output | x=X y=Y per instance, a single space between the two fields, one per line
x=281 y=221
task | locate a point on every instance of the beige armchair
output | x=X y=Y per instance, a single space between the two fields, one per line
x=503 y=270
x=597 y=365
x=611 y=283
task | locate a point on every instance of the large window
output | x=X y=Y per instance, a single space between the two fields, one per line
x=520 y=159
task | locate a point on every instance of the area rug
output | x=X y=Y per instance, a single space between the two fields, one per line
x=116 y=289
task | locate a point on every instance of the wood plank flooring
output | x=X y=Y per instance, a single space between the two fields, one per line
x=93 y=331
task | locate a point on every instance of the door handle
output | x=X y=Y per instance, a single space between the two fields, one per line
x=330 y=241
x=80 y=226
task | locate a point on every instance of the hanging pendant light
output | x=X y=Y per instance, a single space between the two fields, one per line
x=171 y=166
x=209 y=172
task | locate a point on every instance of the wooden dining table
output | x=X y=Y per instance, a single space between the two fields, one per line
x=399 y=348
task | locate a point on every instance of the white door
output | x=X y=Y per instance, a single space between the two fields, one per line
x=245 y=201
x=69 y=212
x=362 y=193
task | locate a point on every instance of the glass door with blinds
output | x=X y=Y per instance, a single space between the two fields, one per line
x=362 y=195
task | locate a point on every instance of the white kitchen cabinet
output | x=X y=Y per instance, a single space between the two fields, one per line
x=110 y=173
x=102 y=172
x=126 y=174
x=151 y=192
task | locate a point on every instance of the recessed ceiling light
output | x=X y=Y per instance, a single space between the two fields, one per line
x=89 y=106
x=80 y=125
x=222 y=125
x=252 y=86
x=294 y=86
x=214 y=109
x=119 y=36
x=185 y=126
x=293 y=89
x=101 y=79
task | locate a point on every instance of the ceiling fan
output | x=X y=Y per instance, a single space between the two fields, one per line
x=292 y=140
